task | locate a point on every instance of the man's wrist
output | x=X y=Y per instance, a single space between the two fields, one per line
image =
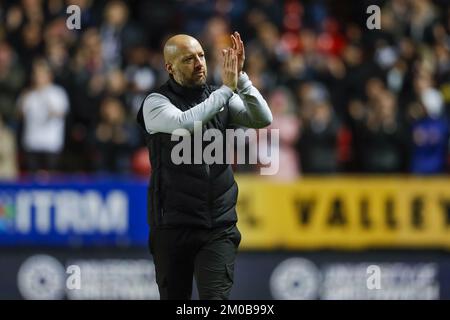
x=227 y=88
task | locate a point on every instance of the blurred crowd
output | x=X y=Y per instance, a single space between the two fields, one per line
x=346 y=99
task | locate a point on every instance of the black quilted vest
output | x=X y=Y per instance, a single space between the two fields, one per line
x=192 y=195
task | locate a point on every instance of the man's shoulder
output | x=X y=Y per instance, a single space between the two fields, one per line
x=156 y=94
x=154 y=97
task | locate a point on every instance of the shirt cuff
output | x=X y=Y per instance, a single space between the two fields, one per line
x=243 y=82
x=226 y=90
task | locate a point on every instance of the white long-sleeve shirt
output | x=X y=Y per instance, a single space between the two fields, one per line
x=44 y=112
x=247 y=108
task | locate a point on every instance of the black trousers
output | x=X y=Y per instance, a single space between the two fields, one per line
x=208 y=255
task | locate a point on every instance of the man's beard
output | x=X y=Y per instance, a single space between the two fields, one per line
x=195 y=83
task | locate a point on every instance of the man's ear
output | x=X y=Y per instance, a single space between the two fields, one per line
x=169 y=68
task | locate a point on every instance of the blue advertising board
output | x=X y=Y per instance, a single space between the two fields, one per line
x=129 y=273
x=74 y=212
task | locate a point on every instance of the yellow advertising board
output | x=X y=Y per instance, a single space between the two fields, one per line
x=344 y=213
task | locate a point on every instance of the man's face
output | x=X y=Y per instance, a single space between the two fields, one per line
x=189 y=66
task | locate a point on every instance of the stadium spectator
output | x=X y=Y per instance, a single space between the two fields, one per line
x=318 y=144
x=12 y=79
x=43 y=109
x=114 y=138
x=380 y=135
x=141 y=77
x=117 y=33
x=430 y=129
x=286 y=121
x=8 y=153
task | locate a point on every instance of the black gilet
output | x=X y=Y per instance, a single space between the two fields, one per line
x=191 y=195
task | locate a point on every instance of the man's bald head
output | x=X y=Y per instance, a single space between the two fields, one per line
x=176 y=44
x=185 y=60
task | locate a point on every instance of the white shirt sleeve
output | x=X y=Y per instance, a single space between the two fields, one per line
x=248 y=108
x=160 y=115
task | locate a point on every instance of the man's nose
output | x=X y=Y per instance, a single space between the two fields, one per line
x=198 y=61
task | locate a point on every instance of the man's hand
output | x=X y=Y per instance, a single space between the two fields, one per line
x=229 y=68
x=238 y=47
